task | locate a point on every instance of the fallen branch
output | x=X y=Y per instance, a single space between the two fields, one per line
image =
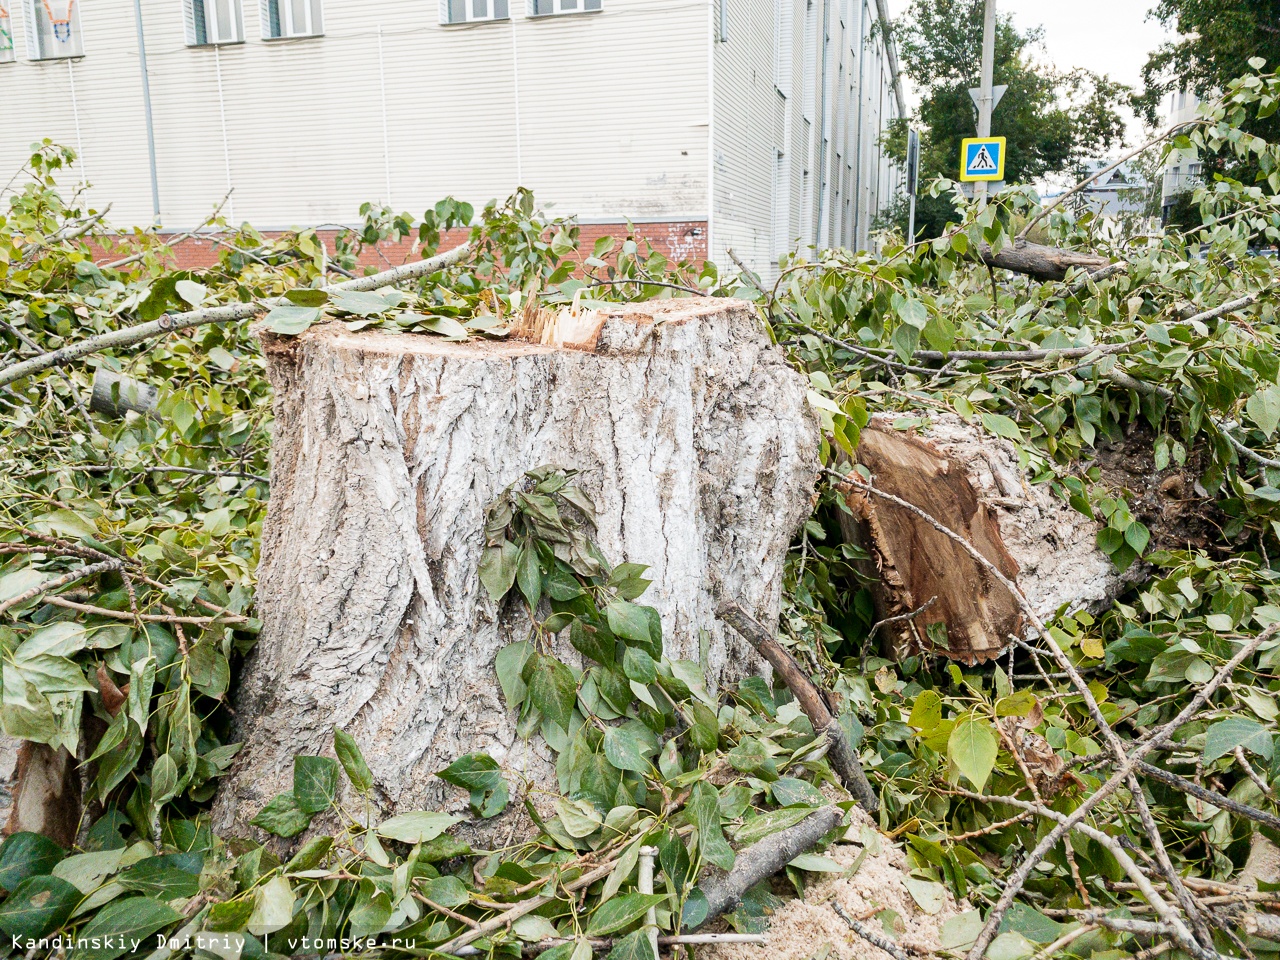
x=61 y=581
x=226 y=314
x=840 y=751
x=1209 y=796
x=763 y=859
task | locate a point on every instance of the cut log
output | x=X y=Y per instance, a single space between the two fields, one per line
x=971 y=482
x=693 y=437
x=1041 y=262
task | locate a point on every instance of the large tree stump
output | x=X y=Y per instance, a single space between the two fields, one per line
x=692 y=435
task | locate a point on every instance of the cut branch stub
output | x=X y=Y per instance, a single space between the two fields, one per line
x=973 y=614
x=692 y=435
x=972 y=483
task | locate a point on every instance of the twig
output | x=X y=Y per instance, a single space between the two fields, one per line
x=1062 y=197
x=875 y=939
x=1251 y=773
x=54 y=583
x=194 y=318
x=900 y=618
x=1209 y=796
x=647 y=283
x=148 y=617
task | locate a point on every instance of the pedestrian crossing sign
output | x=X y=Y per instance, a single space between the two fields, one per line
x=982 y=158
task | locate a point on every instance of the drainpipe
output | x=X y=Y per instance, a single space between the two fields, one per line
x=146 y=104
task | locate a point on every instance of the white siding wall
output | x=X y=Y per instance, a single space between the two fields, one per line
x=823 y=127
x=612 y=110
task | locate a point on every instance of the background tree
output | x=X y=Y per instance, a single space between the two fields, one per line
x=1215 y=39
x=1052 y=120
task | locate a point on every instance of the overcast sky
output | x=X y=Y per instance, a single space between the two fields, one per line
x=1106 y=36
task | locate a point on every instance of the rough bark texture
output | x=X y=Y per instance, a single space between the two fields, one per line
x=44 y=791
x=1039 y=261
x=971 y=482
x=693 y=436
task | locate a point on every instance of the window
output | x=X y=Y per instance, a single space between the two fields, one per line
x=473 y=11
x=6 y=35
x=213 y=21
x=549 y=8
x=54 y=29
x=282 y=19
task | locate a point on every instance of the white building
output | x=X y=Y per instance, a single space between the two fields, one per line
x=740 y=123
x=1183 y=168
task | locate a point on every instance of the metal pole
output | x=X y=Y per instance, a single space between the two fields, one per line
x=146 y=105
x=985 y=99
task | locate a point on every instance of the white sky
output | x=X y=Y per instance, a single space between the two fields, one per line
x=1106 y=36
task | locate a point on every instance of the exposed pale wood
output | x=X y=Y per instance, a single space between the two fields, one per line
x=47 y=796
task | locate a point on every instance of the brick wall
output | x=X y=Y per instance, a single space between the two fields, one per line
x=682 y=240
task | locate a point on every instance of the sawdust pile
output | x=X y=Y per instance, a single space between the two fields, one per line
x=876 y=893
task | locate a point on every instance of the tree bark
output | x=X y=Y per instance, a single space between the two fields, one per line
x=693 y=437
x=1037 y=260
x=972 y=483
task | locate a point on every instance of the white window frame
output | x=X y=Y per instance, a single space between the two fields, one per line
x=475 y=11
x=34 y=11
x=212 y=38
x=563 y=8
x=313 y=25
x=8 y=52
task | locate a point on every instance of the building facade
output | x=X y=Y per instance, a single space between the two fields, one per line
x=1183 y=170
x=751 y=124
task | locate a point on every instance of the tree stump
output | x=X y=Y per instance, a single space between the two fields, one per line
x=693 y=437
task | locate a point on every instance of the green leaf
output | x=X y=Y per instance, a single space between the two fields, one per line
x=311 y=855
x=637 y=665
x=703 y=809
x=191 y=292
x=315 y=783
x=510 y=664
x=704 y=731
x=162 y=878
x=290 y=321
x=446 y=327
x=307 y=297
x=282 y=816
x=418 y=826
x=498 y=568
x=479 y=773
x=621 y=912
x=120 y=925
x=164 y=780
x=229 y=915
x=39 y=906
x=926 y=712
x=529 y=575
x=552 y=688
x=972 y=748
x=628 y=621
x=27 y=855
x=352 y=760
x=1001 y=426
x=359 y=302
x=790 y=792
x=272 y=907
x=634 y=946
x=623 y=749
x=370 y=911
x=1223 y=737
x=1263 y=408
x=913 y=312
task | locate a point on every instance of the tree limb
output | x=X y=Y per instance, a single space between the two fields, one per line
x=226 y=314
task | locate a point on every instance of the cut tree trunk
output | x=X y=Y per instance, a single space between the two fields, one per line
x=1041 y=262
x=693 y=437
x=971 y=482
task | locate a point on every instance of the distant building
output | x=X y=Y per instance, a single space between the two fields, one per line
x=751 y=124
x=1121 y=192
x=1183 y=171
